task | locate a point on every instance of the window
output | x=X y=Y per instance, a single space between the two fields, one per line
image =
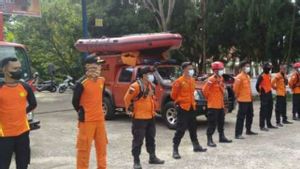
x=126 y=74
x=8 y=51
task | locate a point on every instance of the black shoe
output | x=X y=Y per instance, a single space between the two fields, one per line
x=295 y=118
x=279 y=125
x=287 y=122
x=239 y=137
x=272 y=127
x=176 y=154
x=249 y=132
x=154 y=160
x=198 y=148
x=223 y=139
x=137 y=164
x=210 y=142
x=264 y=129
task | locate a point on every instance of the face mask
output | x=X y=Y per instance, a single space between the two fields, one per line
x=299 y=70
x=16 y=75
x=191 y=72
x=247 y=69
x=150 y=78
x=220 y=72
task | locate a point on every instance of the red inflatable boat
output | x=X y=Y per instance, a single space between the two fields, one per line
x=129 y=43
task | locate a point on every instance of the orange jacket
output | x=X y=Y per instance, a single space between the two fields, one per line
x=279 y=84
x=264 y=82
x=183 y=93
x=242 y=87
x=87 y=99
x=213 y=91
x=294 y=83
x=15 y=103
x=143 y=108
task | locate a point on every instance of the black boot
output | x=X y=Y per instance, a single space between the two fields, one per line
x=198 y=148
x=223 y=138
x=137 y=164
x=250 y=132
x=176 y=154
x=154 y=160
x=210 y=141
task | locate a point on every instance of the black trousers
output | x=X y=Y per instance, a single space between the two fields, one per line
x=245 y=111
x=280 y=109
x=215 y=117
x=20 y=146
x=296 y=105
x=140 y=130
x=266 y=109
x=186 y=120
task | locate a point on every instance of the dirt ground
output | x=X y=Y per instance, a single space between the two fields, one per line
x=53 y=146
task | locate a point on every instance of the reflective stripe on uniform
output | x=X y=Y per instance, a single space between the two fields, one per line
x=1 y=131
x=27 y=124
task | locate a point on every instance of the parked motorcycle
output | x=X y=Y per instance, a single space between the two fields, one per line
x=68 y=83
x=47 y=86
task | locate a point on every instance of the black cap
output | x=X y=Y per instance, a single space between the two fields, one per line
x=93 y=59
x=267 y=65
x=186 y=64
x=145 y=70
x=243 y=63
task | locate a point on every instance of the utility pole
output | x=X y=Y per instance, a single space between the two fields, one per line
x=292 y=31
x=84 y=23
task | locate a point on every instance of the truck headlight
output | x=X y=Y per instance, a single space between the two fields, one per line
x=196 y=95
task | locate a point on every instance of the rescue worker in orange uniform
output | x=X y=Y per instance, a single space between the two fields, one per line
x=140 y=105
x=294 y=84
x=87 y=101
x=264 y=88
x=242 y=90
x=279 y=83
x=213 y=91
x=183 y=95
x=16 y=100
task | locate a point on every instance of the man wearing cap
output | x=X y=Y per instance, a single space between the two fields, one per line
x=264 y=88
x=294 y=84
x=140 y=105
x=242 y=90
x=279 y=83
x=183 y=95
x=213 y=91
x=87 y=101
x=16 y=100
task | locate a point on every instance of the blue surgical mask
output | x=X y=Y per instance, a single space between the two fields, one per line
x=191 y=72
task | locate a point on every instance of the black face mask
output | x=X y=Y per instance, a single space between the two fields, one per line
x=16 y=75
x=267 y=70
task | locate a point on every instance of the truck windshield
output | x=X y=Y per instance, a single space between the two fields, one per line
x=169 y=72
x=10 y=51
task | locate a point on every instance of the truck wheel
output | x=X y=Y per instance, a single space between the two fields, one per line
x=108 y=109
x=170 y=115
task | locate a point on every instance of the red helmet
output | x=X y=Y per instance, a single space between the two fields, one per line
x=217 y=65
x=296 y=65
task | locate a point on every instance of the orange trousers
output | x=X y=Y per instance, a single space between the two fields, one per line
x=89 y=132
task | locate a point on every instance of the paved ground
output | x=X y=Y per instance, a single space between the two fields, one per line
x=53 y=146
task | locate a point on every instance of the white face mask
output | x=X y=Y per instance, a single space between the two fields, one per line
x=220 y=72
x=299 y=70
x=247 y=69
x=150 y=78
x=191 y=72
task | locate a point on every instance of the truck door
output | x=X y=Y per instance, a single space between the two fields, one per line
x=124 y=80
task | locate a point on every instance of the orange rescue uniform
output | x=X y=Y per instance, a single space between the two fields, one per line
x=213 y=91
x=13 y=118
x=294 y=83
x=279 y=84
x=265 y=83
x=87 y=101
x=183 y=93
x=242 y=87
x=144 y=107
